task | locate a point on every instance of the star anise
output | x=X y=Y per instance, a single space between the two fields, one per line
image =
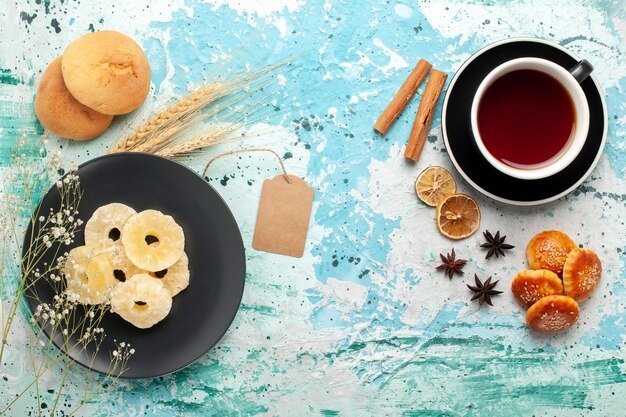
x=451 y=265
x=495 y=244
x=483 y=291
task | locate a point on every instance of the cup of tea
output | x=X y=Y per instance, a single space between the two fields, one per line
x=530 y=116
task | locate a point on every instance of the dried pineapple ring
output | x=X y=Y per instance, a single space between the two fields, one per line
x=105 y=225
x=89 y=274
x=176 y=277
x=100 y=276
x=74 y=271
x=142 y=301
x=123 y=268
x=152 y=240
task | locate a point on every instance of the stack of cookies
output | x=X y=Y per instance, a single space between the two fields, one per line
x=561 y=275
x=99 y=75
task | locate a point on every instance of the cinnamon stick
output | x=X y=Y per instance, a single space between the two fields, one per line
x=402 y=97
x=425 y=114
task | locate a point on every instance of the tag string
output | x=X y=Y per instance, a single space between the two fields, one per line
x=280 y=161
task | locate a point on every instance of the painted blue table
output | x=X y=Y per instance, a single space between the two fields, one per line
x=362 y=324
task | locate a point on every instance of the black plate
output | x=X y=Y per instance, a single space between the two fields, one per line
x=468 y=160
x=200 y=314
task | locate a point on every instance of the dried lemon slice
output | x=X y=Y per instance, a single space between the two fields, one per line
x=433 y=184
x=458 y=216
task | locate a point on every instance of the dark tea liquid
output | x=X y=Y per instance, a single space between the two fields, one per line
x=525 y=118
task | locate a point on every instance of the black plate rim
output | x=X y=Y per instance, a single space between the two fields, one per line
x=468 y=177
x=29 y=300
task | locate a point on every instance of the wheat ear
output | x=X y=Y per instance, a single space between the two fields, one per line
x=180 y=110
x=161 y=131
x=202 y=141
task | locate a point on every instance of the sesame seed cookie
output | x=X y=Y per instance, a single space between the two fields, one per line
x=581 y=273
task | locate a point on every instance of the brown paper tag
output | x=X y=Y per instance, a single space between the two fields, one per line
x=283 y=219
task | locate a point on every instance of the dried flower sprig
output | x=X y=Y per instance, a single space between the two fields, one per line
x=74 y=327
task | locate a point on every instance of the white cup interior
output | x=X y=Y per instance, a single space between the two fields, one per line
x=581 y=109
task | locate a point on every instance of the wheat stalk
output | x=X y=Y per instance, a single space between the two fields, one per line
x=237 y=118
x=198 y=142
x=179 y=111
x=161 y=131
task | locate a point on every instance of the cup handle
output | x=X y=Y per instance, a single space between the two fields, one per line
x=581 y=70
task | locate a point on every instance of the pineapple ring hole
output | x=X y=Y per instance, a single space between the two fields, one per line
x=119 y=275
x=114 y=234
x=140 y=305
x=160 y=274
x=152 y=239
